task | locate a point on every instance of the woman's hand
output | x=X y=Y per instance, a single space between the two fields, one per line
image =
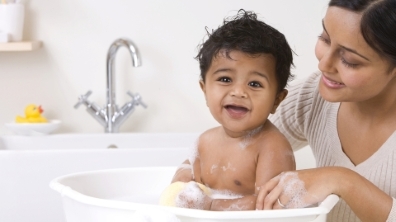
x=297 y=189
x=303 y=188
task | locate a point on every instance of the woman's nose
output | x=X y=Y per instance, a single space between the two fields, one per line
x=326 y=62
x=325 y=57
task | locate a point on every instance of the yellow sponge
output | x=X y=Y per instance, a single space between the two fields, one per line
x=168 y=196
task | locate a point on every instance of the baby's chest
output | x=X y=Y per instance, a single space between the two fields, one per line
x=234 y=174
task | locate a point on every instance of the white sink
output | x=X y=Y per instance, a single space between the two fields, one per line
x=97 y=141
x=28 y=164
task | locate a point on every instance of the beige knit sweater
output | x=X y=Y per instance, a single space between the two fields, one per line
x=307 y=119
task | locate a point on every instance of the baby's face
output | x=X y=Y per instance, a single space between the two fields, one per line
x=242 y=91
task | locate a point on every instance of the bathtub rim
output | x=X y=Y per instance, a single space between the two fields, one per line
x=65 y=191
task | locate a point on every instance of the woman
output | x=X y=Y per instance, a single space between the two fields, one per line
x=347 y=114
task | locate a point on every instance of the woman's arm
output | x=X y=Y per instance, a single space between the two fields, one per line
x=303 y=188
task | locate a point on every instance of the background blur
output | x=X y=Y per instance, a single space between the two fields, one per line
x=77 y=34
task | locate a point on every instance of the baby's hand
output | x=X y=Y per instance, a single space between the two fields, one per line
x=193 y=197
x=184 y=173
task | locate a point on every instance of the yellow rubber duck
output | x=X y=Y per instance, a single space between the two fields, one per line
x=32 y=115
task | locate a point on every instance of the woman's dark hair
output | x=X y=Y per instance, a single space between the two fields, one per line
x=244 y=32
x=378 y=24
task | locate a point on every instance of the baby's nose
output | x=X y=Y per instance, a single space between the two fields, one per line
x=238 y=91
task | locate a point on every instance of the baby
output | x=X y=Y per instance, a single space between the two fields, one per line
x=245 y=66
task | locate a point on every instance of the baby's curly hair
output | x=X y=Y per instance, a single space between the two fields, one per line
x=244 y=32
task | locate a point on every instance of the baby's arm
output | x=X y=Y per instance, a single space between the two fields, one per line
x=197 y=196
x=276 y=157
x=190 y=169
x=184 y=173
x=244 y=203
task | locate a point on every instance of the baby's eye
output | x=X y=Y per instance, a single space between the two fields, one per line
x=224 y=79
x=255 y=84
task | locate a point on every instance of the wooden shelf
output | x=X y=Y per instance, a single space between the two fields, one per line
x=20 y=46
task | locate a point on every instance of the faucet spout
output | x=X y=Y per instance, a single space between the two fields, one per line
x=111 y=107
x=110 y=116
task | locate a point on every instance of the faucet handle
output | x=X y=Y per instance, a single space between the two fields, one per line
x=83 y=99
x=137 y=99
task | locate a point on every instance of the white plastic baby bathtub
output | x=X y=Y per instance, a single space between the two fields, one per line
x=119 y=195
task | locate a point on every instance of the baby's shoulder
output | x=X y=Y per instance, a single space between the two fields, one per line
x=274 y=149
x=272 y=139
x=208 y=136
x=209 y=133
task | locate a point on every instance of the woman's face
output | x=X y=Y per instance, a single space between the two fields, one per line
x=352 y=70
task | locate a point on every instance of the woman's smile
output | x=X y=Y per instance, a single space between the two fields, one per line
x=331 y=83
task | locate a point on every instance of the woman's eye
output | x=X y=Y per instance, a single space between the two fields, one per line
x=255 y=84
x=224 y=79
x=348 y=64
x=324 y=39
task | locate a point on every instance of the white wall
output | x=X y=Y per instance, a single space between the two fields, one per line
x=77 y=34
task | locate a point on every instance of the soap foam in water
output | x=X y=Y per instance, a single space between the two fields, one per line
x=246 y=141
x=224 y=194
x=229 y=195
x=294 y=188
x=191 y=197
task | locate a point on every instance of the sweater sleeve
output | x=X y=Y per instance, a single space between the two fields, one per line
x=392 y=214
x=293 y=115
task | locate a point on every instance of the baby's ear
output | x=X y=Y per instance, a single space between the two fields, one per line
x=279 y=98
x=202 y=85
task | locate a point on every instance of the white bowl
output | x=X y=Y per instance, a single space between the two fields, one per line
x=34 y=129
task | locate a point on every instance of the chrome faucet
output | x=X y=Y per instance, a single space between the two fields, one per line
x=110 y=116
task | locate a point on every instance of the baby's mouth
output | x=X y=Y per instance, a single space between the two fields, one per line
x=236 y=111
